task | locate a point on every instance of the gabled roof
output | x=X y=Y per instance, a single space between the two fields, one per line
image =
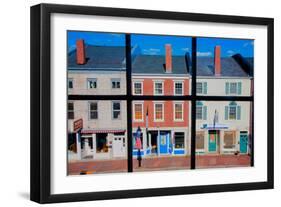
x=99 y=58
x=230 y=67
x=113 y=58
x=155 y=64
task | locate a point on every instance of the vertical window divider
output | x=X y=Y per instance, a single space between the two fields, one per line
x=193 y=103
x=129 y=102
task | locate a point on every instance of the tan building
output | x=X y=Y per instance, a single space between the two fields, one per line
x=97 y=70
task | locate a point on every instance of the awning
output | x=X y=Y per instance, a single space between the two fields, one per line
x=94 y=131
x=214 y=127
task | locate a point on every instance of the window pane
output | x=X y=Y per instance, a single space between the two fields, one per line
x=164 y=143
x=96 y=63
x=222 y=141
x=97 y=137
x=225 y=67
x=162 y=63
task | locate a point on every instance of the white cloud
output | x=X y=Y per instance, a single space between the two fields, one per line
x=230 y=52
x=151 y=51
x=116 y=35
x=204 y=54
x=185 y=49
x=248 y=43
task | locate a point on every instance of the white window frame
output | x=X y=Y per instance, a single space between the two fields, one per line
x=182 y=103
x=112 y=110
x=202 y=84
x=230 y=106
x=89 y=110
x=115 y=80
x=68 y=81
x=154 y=83
x=202 y=111
x=134 y=104
x=236 y=88
x=88 y=85
x=154 y=111
x=182 y=87
x=141 y=87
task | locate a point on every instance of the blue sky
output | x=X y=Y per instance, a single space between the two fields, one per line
x=155 y=44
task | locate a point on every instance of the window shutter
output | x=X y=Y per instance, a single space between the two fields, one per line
x=205 y=87
x=205 y=112
x=239 y=88
x=226 y=113
x=238 y=112
x=227 y=88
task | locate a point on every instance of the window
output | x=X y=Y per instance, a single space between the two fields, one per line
x=158 y=112
x=93 y=110
x=92 y=83
x=116 y=110
x=229 y=139
x=178 y=111
x=101 y=143
x=158 y=88
x=179 y=140
x=201 y=111
x=70 y=110
x=199 y=140
x=70 y=83
x=138 y=88
x=201 y=87
x=233 y=88
x=232 y=111
x=178 y=88
x=138 y=111
x=115 y=83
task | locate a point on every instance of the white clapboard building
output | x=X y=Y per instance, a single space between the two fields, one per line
x=224 y=127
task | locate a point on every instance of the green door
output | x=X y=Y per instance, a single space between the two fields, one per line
x=243 y=142
x=213 y=137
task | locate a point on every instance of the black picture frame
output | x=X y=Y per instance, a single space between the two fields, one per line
x=40 y=177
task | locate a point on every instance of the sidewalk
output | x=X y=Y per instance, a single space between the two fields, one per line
x=158 y=163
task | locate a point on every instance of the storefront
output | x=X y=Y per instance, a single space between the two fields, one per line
x=100 y=144
x=162 y=142
x=221 y=139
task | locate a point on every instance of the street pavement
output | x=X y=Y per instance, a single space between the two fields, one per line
x=157 y=163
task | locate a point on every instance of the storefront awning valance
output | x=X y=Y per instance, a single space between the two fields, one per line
x=214 y=127
x=94 y=131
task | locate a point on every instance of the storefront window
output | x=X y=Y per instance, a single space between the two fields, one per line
x=179 y=140
x=101 y=142
x=199 y=140
x=229 y=139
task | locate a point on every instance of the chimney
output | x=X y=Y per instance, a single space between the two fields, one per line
x=217 y=60
x=168 y=64
x=80 y=52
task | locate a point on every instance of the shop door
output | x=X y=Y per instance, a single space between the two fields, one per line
x=87 y=148
x=118 y=146
x=243 y=142
x=213 y=137
x=164 y=142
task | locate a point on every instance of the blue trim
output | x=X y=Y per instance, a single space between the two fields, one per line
x=179 y=151
x=135 y=153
